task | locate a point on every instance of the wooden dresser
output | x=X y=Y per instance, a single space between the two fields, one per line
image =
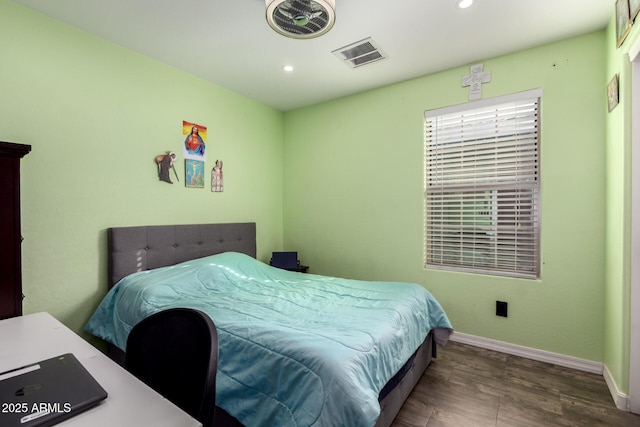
x=10 y=234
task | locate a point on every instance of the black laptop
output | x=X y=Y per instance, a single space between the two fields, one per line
x=285 y=260
x=46 y=393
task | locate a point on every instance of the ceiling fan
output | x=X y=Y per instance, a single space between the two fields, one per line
x=301 y=19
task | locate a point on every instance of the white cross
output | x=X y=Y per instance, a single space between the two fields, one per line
x=474 y=80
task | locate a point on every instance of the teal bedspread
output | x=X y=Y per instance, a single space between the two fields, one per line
x=294 y=349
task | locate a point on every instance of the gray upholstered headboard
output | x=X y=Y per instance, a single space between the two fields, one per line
x=141 y=248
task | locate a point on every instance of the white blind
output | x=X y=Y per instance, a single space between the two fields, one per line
x=482 y=180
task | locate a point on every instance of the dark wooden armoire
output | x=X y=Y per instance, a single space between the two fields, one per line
x=10 y=234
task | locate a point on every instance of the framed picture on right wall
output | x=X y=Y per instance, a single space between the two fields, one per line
x=634 y=8
x=623 y=21
x=613 y=93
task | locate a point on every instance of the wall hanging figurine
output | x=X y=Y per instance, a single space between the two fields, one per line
x=165 y=162
x=217 y=183
x=474 y=80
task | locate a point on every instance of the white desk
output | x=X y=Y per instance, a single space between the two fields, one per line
x=35 y=337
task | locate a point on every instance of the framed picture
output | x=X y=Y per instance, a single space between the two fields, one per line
x=613 y=93
x=634 y=8
x=195 y=137
x=194 y=173
x=623 y=21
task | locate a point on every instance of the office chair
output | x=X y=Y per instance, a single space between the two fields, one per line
x=175 y=352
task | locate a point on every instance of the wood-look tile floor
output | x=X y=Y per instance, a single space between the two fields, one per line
x=474 y=387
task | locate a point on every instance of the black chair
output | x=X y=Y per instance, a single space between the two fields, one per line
x=175 y=352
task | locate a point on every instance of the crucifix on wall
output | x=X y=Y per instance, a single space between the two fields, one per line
x=474 y=81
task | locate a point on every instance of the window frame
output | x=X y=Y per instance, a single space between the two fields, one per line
x=471 y=256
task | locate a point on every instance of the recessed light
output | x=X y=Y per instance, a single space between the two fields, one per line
x=463 y=4
x=288 y=68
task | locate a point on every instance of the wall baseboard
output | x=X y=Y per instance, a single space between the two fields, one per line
x=529 y=353
x=621 y=400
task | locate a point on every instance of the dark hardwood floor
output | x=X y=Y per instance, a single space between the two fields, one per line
x=470 y=386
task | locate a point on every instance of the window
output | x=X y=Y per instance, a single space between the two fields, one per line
x=482 y=186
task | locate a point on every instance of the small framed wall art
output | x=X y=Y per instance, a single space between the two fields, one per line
x=623 y=21
x=193 y=173
x=634 y=8
x=195 y=137
x=613 y=93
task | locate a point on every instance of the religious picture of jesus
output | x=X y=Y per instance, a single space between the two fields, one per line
x=194 y=146
x=194 y=173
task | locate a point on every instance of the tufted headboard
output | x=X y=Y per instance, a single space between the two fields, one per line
x=141 y=248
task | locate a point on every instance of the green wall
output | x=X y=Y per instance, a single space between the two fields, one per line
x=353 y=195
x=96 y=115
x=618 y=217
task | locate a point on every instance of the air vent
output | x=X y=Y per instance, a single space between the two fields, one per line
x=360 y=53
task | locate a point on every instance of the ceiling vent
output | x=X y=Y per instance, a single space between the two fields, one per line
x=360 y=53
x=301 y=19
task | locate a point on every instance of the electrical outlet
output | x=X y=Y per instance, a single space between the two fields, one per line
x=501 y=308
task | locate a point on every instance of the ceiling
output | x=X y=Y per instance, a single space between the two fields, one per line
x=229 y=42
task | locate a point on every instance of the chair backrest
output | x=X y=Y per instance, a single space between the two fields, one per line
x=175 y=352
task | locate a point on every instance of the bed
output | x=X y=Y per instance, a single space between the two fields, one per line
x=296 y=349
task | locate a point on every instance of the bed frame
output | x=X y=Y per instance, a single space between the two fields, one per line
x=133 y=249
